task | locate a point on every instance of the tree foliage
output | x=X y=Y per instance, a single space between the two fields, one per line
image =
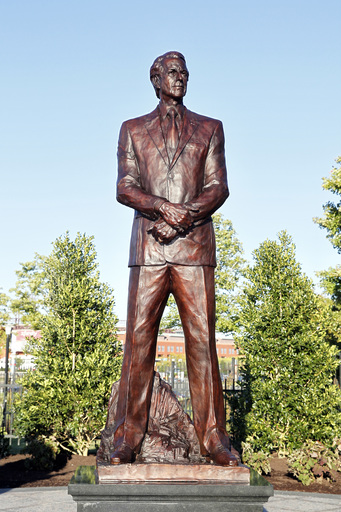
x=331 y=221
x=4 y=312
x=289 y=366
x=227 y=275
x=230 y=264
x=331 y=278
x=77 y=357
x=4 y=318
x=28 y=303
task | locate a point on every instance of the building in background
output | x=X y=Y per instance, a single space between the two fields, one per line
x=18 y=359
x=173 y=343
x=168 y=344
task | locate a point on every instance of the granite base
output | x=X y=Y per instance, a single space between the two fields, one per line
x=91 y=496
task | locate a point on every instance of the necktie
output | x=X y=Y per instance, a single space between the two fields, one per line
x=172 y=134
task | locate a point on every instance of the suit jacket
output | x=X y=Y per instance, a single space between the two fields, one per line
x=196 y=177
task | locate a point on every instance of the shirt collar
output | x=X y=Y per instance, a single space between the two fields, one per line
x=163 y=109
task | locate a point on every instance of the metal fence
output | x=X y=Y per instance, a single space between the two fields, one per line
x=172 y=371
x=175 y=373
x=8 y=393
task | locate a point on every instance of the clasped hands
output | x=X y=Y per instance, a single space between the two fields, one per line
x=175 y=219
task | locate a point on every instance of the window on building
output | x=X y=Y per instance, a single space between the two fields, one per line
x=168 y=348
x=172 y=349
x=180 y=349
x=229 y=351
x=177 y=349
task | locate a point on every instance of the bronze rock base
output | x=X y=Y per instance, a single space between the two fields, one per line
x=170 y=436
x=171 y=474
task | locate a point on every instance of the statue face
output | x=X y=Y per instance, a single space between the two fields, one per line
x=173 y=80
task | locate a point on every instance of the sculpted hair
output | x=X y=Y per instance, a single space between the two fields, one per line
x=157 y=68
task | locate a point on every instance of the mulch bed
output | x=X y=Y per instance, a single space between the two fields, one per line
x=13 y=473
x=282 y=481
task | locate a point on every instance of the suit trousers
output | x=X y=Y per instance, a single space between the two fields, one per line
x=149 y=289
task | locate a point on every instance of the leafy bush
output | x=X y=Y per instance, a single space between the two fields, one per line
x=259 y=461
x=4 y=447
x=315 y=461
x=43 y=453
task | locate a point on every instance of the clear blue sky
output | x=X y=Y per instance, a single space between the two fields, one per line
x=73 y=71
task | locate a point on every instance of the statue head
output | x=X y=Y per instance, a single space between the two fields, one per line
x=158 y=71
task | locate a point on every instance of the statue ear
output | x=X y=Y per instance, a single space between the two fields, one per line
x=156 y=81
x=156 y=84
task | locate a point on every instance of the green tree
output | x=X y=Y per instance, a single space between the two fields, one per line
x=171 y=317
x=77 y=357
x=332 y=316
x=230 y=265
x=331 y=278
x=4 y=312
x=289 y=366
x=28 y=303
x=228 y=272
x=331 y=221
x=4 y=318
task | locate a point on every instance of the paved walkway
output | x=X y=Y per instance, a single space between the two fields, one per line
x=56 y=499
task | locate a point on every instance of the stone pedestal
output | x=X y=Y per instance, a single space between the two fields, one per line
x=174 y=496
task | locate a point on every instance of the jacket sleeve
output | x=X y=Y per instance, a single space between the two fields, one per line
x=215 y=190
x=129 y=191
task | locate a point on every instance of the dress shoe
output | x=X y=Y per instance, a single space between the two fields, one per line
x=122 y=455
x=218 y=451
x=222 y=456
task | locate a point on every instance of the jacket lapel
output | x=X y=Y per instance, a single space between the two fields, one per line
x=153 y=128
x=188 y=129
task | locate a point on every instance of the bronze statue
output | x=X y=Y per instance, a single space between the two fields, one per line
x=171 y=170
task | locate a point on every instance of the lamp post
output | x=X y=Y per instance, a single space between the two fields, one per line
x=8 y=329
